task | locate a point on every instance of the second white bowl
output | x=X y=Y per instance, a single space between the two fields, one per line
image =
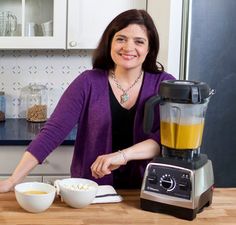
x=77 y=192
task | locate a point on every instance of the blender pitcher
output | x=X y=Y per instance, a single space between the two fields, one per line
x=182 y=106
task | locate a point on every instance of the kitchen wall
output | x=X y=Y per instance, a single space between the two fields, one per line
x=53 y=68
x=162 y=22
x=57 y=68
x=167 y=16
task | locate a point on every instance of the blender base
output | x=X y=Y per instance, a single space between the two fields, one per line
x=177 y=187
x=177 y=211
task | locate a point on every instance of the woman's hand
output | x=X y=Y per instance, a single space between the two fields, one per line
x=6 y=185
x=104 y=164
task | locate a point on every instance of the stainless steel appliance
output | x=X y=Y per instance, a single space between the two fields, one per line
x=180 y=182
x=209 y=56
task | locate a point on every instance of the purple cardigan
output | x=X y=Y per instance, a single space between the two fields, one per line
x=86 y=103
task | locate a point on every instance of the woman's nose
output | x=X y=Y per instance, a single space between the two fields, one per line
x=128 y=46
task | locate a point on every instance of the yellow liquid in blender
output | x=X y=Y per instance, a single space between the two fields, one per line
x=181 y=136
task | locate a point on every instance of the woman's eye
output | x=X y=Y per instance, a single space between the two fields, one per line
x=120 y=39
x=139 y=42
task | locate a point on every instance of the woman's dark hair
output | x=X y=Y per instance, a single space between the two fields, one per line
x=102 y=55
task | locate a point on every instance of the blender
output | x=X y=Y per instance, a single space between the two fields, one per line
x=180 y=181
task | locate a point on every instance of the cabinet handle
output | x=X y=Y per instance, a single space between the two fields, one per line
x=45 y=162
x=73 y=43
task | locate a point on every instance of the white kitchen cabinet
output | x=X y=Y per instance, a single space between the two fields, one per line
x=33 y=24
x=56 y=166
x=78 y=25
x=87 y=19
x=27 y=179
x=52 y=179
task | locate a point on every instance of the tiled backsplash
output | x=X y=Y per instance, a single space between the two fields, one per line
x=54 y=68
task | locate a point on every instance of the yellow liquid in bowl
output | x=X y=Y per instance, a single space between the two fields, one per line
x=181 y=136
x=34 y=192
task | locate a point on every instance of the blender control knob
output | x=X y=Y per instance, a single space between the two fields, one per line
x=167 y=182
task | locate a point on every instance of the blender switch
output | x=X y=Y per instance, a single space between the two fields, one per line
x=184 y=186
x=152 y=179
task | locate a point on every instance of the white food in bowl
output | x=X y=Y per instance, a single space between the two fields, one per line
x=41 y=197
x=77 y=192
x=78 y=187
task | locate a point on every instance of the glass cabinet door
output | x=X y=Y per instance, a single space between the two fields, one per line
x=38 y=18
x=10 y=16
x=32 y=24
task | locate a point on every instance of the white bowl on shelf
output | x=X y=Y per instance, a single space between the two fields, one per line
x=35 y=197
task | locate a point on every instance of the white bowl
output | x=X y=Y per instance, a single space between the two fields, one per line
x=77 y=192
x=35 y=202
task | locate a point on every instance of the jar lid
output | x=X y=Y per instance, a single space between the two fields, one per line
x=37 y=87
x=185 y=91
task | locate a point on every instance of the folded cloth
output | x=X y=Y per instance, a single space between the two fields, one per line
x=106 y=194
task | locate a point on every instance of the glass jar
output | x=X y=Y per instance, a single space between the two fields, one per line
x=2 y=106
x=36 y=103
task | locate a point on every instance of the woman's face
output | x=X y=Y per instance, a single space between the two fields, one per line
x=129 y=47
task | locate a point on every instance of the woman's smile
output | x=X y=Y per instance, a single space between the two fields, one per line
x=127 y=56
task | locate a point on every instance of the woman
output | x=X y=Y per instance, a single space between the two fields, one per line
x=107 y=104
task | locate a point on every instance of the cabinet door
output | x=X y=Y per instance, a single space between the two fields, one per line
x=32 y=24
x=87 y=19
x=52 y=179
x=27 y=179
x=57 y=163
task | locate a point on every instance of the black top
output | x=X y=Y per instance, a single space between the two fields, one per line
x=122 y=137
x=122 y=124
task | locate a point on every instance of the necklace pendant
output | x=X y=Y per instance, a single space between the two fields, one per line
x=124 y=98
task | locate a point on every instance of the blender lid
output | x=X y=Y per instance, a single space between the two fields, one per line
x=185 y=91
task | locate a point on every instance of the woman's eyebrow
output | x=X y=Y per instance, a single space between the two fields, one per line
x=120 y=35
x=136 y=38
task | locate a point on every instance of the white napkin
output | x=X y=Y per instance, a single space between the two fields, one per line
x=106 y=194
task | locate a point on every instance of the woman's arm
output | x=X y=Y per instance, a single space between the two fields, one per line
x=26 y=164
x=104 y=164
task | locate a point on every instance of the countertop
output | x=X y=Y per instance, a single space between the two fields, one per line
x=222 y=211
x=21 y=132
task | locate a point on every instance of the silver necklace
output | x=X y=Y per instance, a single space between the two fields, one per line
x=124 y=97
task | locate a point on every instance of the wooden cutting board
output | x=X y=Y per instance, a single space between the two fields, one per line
x=128 y=212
